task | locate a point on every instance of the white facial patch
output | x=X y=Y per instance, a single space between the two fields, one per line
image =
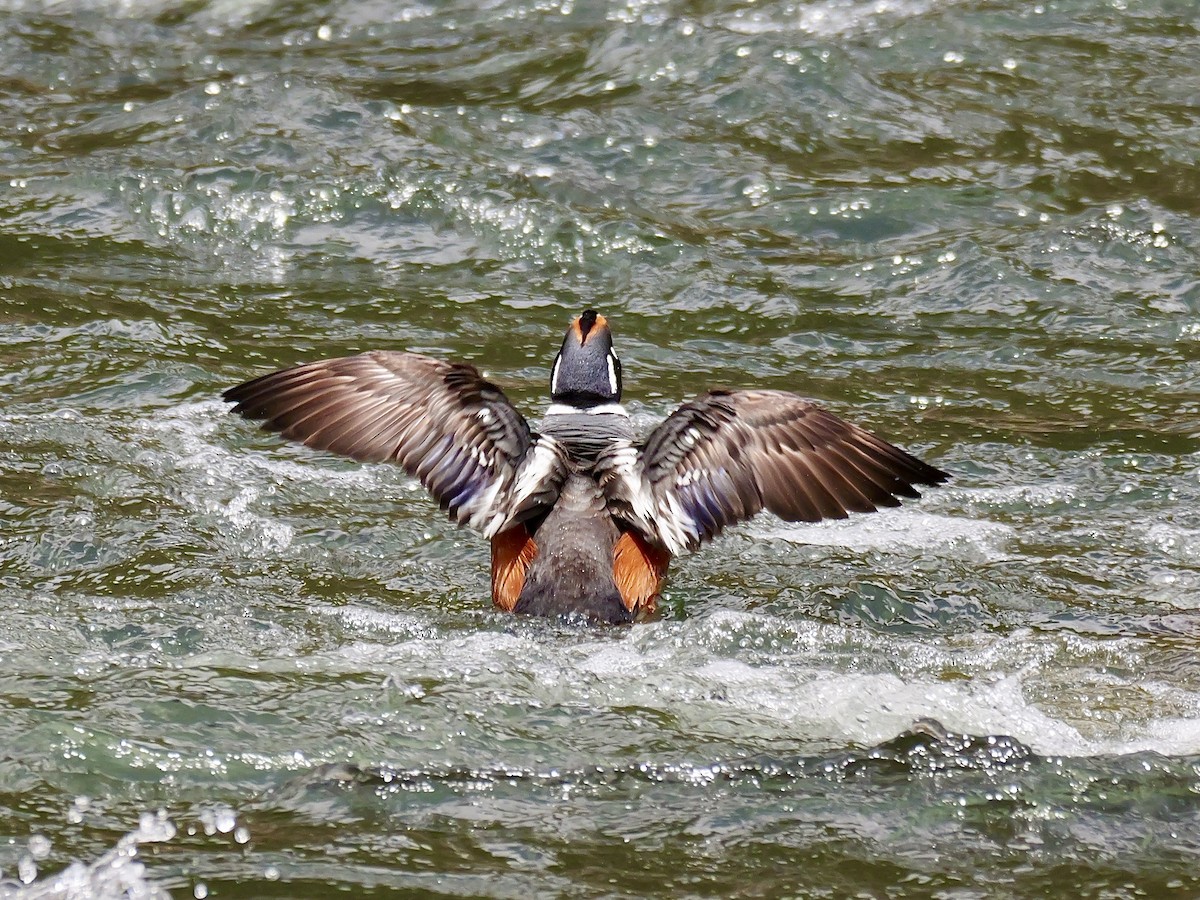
x=612 y=372
x=554 y=374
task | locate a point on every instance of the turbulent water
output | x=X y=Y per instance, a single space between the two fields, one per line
x=231 y=667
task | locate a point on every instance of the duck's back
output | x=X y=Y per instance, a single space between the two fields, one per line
x=572 y=573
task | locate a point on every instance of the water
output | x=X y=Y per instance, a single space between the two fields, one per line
x=235 y=668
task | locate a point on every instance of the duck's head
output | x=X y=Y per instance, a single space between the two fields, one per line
x=586 y=371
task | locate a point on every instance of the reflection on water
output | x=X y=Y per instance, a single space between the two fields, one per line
x=235 y=668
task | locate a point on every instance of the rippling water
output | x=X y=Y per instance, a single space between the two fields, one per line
x=231 y=667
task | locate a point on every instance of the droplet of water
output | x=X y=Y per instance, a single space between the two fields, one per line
x=225 y=821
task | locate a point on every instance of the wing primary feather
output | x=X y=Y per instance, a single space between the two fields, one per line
x=905 y=464
x=841 y=488
x=305 y=421
x=826 y=503
x=883 y=469
x=338 y=426
x=872 y=482
x=274 y=388
x=377 y=439
x=784 y=493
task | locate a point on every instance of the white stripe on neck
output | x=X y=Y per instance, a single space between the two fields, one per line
x=565 y=409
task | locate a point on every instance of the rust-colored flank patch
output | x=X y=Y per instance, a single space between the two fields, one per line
x=512 y=552
x=638 y=570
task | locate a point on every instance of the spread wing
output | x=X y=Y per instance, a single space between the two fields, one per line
x=441 y=421
x=726 y=455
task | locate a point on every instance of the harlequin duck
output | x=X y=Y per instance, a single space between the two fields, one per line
x=583 y=518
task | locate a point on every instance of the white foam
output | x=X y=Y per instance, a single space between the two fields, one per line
x=1174 y=541
x=142 y=9
x=759 y=678
x=1022 y=494
x=189 y=426
x=900 y=529
x=870 y=708
x=363 y=619
x=1169 y=736
x=815 y=681
x=273 y=537
x=187 y=434
x=828 y=18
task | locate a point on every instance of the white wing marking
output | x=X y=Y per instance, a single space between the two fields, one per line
x=659 y=516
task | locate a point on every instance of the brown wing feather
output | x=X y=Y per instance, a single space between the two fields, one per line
x=726 y=455
x=443 y=422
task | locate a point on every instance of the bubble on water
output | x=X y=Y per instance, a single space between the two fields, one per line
x=216 y=469
x=78 y=807
x=1017 y=495
x=273 y=536
x=221 y=820
x=39 y=846
x=828 y=18
x=226 y=221
x=154 y=827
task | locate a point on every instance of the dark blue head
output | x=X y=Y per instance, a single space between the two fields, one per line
x=586 y=370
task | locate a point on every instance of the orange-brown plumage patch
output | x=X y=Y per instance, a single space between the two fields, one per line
x=575 y=327
x=512 y=552
x=638 y=570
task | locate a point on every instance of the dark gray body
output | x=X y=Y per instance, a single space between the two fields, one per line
x=572 y=573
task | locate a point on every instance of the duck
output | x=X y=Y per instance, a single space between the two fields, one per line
x=583 y=516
